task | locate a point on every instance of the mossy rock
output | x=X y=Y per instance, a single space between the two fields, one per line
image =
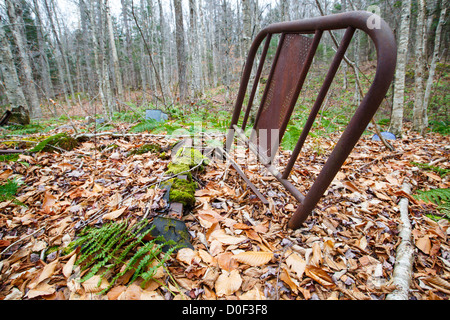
x=175 y=169
x=60 y=140
x=146 y=148
x=183 y=191
x=190 y=157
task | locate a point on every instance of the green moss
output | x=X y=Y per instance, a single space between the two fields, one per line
x=175 y=169
x=146 y=148
x=60 y=140
x=190 y=157
x=183 y=191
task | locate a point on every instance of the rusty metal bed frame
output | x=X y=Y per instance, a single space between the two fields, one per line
x=292 y=61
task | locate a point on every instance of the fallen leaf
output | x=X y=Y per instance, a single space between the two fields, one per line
x=114 y=214
x=68 y=267
x=296 y=264
x=254 y=259
x=292 y=283
x=320 y=276
x=115 y=292
x=49 y=201
x=187 y=255
x=221 y=236
x=228 y=283
x=48 y=271
x=253 y=294
x=91 y=285
x=42 y=289
x=424 y=244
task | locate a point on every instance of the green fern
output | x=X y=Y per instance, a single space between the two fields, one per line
x=440 y=197
x=111 y=246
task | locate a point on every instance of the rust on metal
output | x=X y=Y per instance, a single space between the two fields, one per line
x=290 y=66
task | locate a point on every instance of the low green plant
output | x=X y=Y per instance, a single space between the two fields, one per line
x=120 y=246
x=146 y=125
x=441 y=171
x=8 y=190
x=440 y=197
x=60 y=141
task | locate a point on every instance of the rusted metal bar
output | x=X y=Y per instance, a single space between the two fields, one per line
x=257 y=77
x=385 y=45
x=238 y=169
x=267 y=163
x=320 y=98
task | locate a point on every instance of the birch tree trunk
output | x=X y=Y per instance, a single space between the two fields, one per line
x=13 y=89
x=181 y=51
x=195 y=50
x=419 y=110
x=43 y=60
x=437 y=46
x=113 y=50
x=396 y=124
x=247 y=30
x=14 y=11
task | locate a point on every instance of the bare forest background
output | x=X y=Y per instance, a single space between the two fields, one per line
x=100 y=57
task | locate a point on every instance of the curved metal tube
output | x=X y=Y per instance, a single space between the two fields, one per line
x=386 y=48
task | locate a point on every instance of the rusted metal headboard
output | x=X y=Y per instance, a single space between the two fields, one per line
x=290 y=66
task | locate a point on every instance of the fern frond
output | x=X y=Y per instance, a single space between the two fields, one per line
x=436 y=196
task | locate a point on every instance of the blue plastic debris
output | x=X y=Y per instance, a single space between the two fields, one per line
x=385 y=135
x=154 y=114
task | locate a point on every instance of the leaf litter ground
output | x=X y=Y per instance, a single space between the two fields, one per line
x=242 y=249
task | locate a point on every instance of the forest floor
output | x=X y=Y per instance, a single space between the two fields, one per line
x=242 y=249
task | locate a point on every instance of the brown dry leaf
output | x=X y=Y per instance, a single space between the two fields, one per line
x=133 y=292
x=5 y=174
x=49 y=201
x=228 y=283
x=254 y=259
x=296 y=264
x=115 y=292
x=43 y=289
x=221 y=236
x=151 y=295
x=48 y=271
x=316 y=259
x=253 y=294
x=226 y=261
x=68 y=267
x=320 y=276
x=91 y=284
x=206 y=257
x=292 y=283
x=187 y=255
x=424 y=244
x=114 y=214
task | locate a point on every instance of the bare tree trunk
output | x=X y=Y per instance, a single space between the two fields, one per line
x=195 y=50
x=43 y=61
x=247 y=31
x=95 y=47
x=437 y=46
x=419 y=110
x=402 y=59
x=15 y=17
x=109 y=107
x=128 y=49
x=181 y=50
x=13 y=89
x=113 y=49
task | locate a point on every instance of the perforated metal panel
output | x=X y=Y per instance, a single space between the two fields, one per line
x=280 y=92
